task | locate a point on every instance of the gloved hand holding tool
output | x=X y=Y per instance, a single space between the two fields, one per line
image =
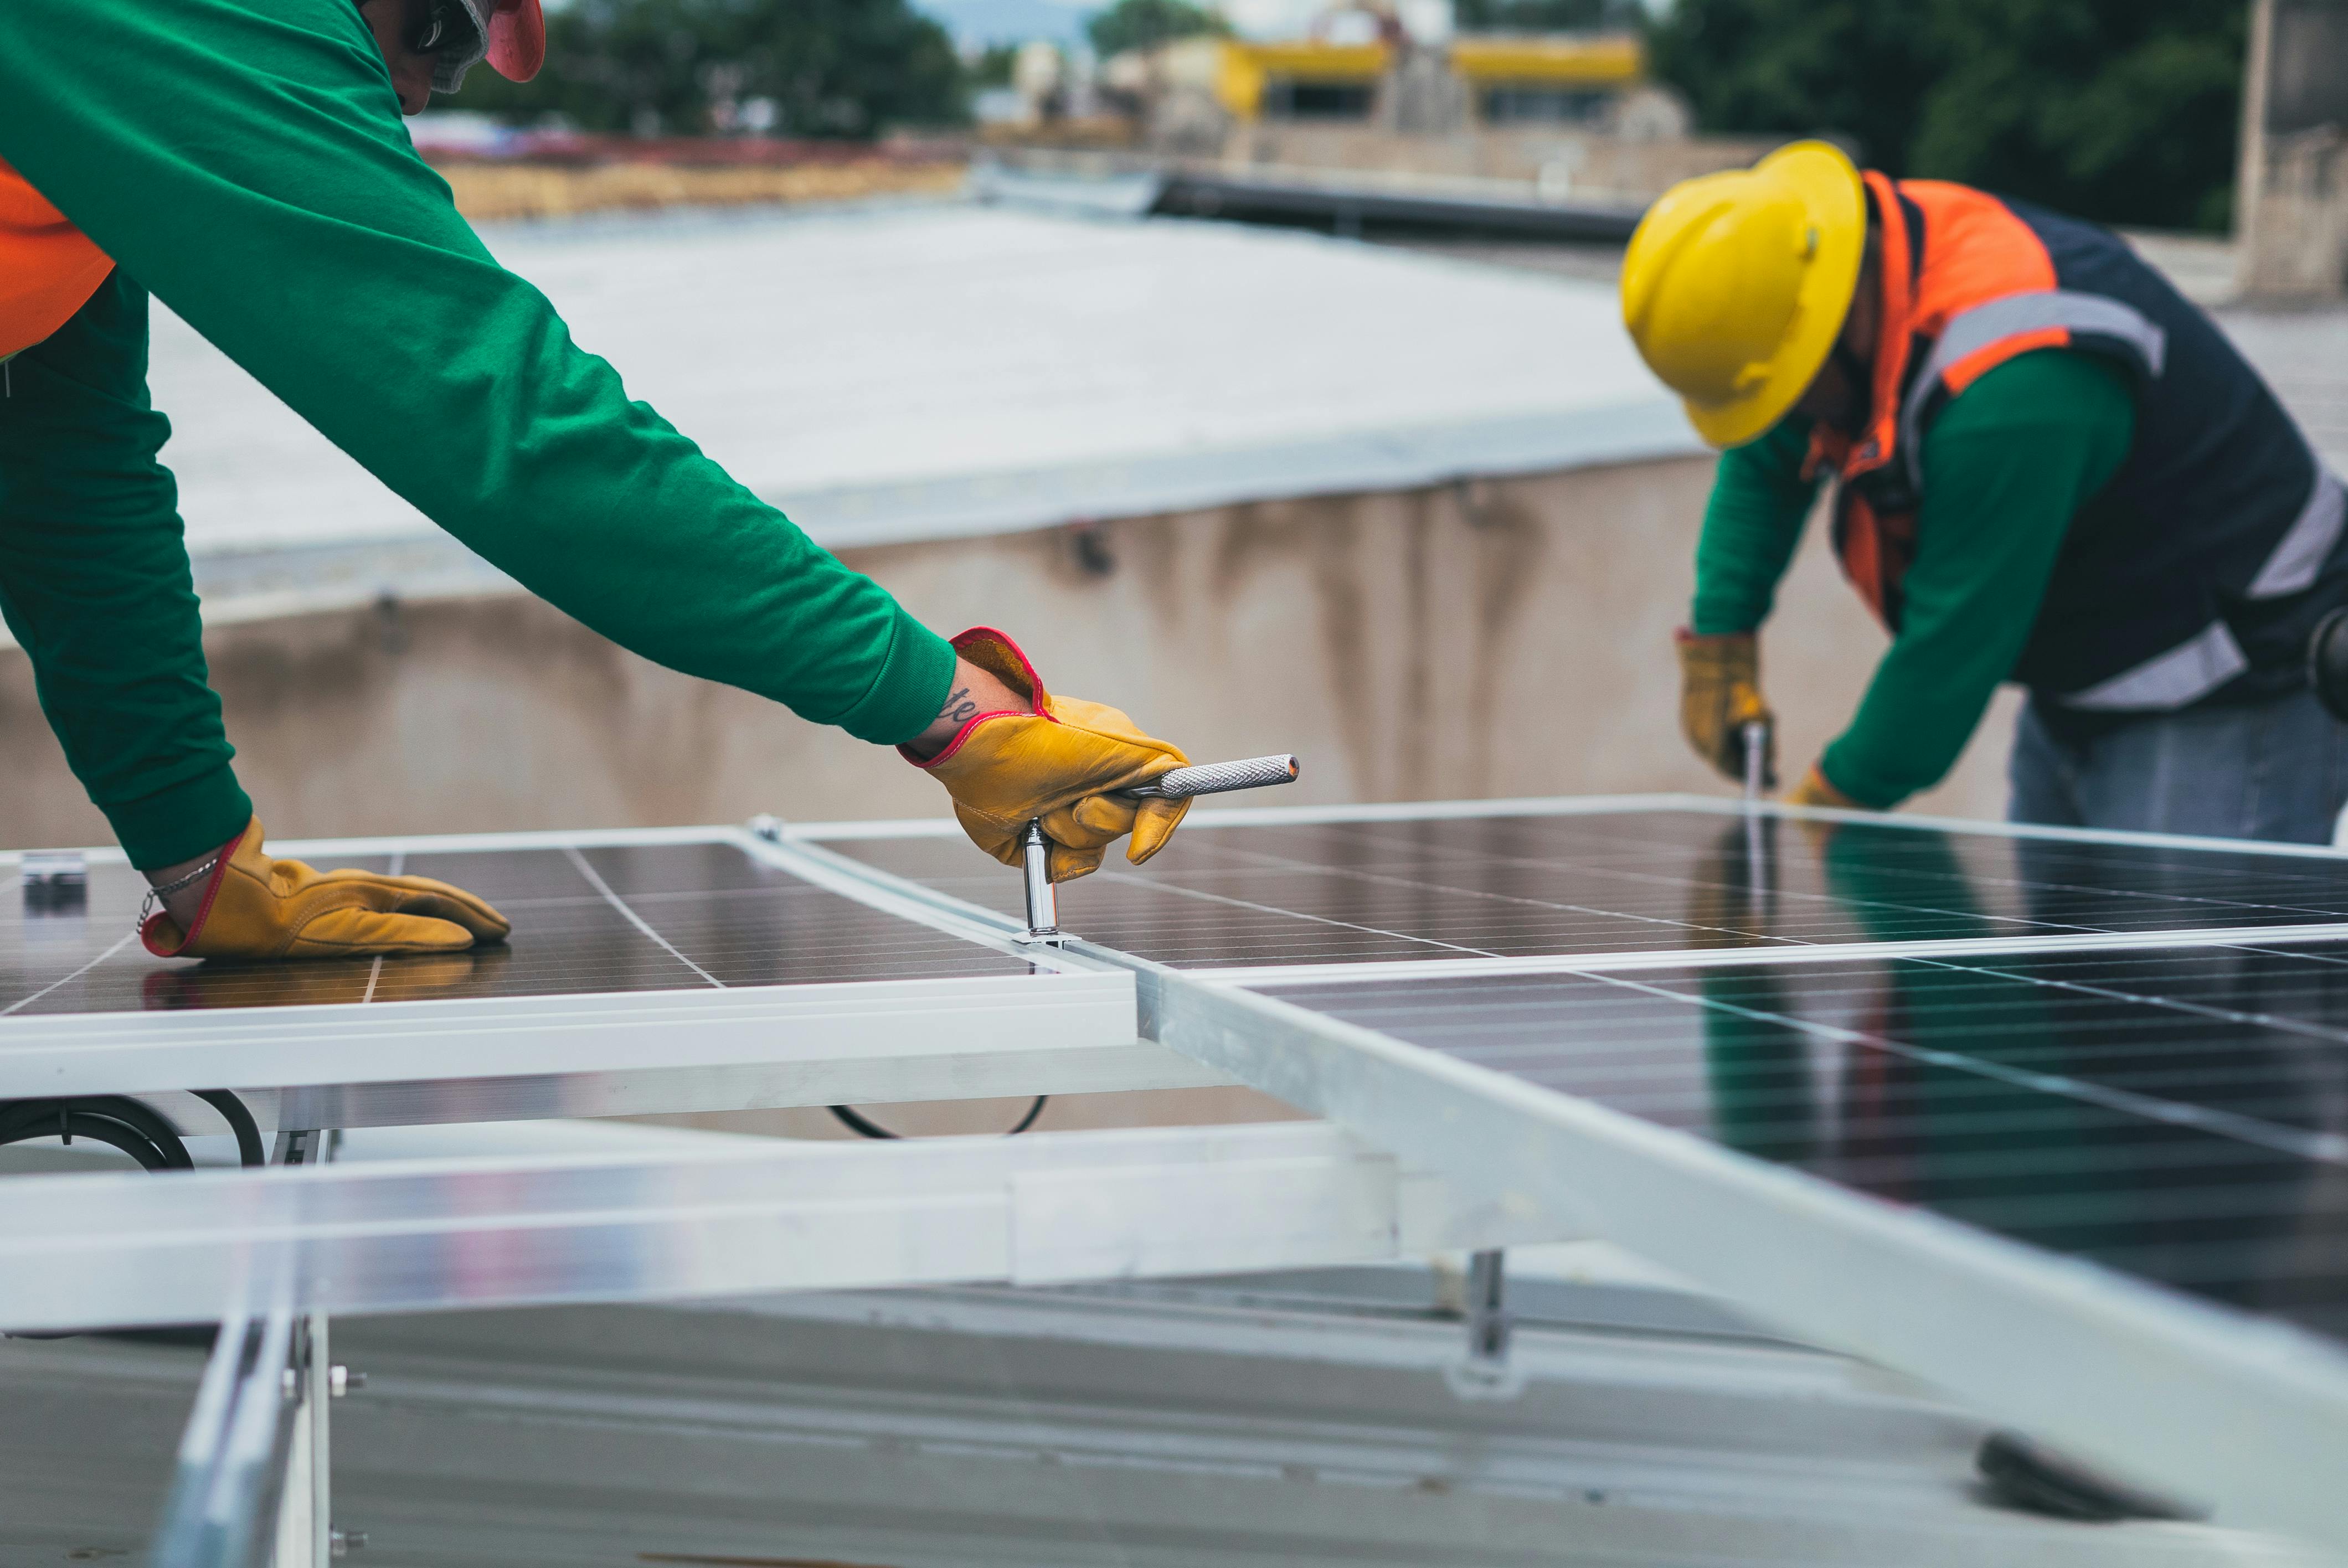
x=1047 y=783
x=240 y=902
x=1721 y=705
x=1010 y=753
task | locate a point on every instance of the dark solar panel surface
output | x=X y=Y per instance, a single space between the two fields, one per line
x=2180 y=1115
x=1621 y=882
x=678 y=917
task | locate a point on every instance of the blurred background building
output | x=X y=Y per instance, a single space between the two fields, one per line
x=1257 y=363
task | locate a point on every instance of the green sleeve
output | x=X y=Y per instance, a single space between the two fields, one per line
x=2007 y=466
x=246 y=161
x=94 y=586
x=1751 y=525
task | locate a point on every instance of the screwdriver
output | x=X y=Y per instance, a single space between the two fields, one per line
x=1205 y=778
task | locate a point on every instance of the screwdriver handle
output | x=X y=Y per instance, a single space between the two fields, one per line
x=1215 y=778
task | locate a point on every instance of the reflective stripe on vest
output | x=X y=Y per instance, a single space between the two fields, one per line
x=2221 y=507
x=2176 y=678
x=2199 y=666
x=1977 y=341
x=49 y=268
x=2309 y=542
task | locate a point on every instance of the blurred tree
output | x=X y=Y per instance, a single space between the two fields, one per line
x=2122 y=110
x=993 y=67
x=1144 y=24
x=795 y=67
x=2119 y=110
x=1547 y=15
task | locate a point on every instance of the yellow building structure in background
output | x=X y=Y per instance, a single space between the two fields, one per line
x=1499 y=77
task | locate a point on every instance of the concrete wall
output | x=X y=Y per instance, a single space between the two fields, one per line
x=1562 y=159
x=2292 y=191
x=1505 y=637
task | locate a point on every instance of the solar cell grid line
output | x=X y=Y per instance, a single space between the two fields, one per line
x=397 y=866
x=1630 y=882
x=634 y=918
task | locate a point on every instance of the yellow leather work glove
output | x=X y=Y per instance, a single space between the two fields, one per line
x=1060 y=764
x=256 y=906
x=1817 y=789
x=1720 y=693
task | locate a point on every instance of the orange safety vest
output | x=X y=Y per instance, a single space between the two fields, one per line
x=49 y=268
x=1981 y=251
x=2212 y=550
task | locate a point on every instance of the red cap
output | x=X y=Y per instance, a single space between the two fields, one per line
x=517 y=39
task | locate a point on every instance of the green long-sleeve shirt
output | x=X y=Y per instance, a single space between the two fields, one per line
x=2007 y=467
x=246 y=161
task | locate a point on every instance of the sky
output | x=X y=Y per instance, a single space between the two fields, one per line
x=1011 y=21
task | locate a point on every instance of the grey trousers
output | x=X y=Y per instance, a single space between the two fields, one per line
x=2276 y=769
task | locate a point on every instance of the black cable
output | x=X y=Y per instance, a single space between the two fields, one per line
x=143 y=1120
x=865 y=1126
x=250 y=1149
x=111 y=1120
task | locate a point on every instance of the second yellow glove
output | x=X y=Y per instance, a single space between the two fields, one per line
x=1817 y=789
x=259 y=906
x=1720 y=693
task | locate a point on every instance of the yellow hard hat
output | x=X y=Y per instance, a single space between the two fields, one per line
x=1736 y=285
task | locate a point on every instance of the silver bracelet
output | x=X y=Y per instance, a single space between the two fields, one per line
x=147 y=905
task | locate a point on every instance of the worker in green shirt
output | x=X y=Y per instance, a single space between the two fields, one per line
x=2047 y=467
x=244 y=160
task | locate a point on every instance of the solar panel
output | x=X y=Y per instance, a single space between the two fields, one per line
x=588 y=921
x=1775 y=1053
x=2180 y=1116
x=1589 y=884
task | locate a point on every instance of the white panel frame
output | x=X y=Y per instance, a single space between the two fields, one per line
x=1590 y=805
x=79 y=1252
x=1067 y=1028
x=512 y=1059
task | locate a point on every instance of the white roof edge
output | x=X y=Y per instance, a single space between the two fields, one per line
x=1353 y=462
x=262 y=581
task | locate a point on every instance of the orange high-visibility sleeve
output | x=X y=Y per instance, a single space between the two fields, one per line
x=49 y=268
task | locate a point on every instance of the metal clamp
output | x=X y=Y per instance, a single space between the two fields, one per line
x=1205 y=778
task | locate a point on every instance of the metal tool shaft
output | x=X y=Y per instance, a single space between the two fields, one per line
x=1206 y=778
x=1042 y=903
x=1757 y=760
x=1214 y=778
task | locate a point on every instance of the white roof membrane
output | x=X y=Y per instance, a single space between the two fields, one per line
x=898 y=373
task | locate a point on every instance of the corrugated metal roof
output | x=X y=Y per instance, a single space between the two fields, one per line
x=912 y=373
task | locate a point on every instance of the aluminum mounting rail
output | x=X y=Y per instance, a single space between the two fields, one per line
x=231 y=1470
x=519 y=1058
x=79 y=1252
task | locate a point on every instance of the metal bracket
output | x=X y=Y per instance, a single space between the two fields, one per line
x=1042 y=903
x=1487 y=1373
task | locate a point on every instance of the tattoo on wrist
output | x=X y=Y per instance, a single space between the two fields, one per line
x=959 y=708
